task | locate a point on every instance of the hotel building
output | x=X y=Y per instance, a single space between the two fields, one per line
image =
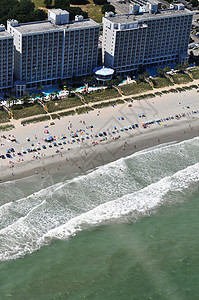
x=6 y=59
x=150 y=38
x=47 y=51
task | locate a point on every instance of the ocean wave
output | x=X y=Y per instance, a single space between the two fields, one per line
x=54 y=220
x=121 y=191
x=129 y=207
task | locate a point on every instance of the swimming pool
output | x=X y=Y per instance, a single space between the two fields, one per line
x=47 y=92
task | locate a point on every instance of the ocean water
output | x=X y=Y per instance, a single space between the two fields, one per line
x=126 y=230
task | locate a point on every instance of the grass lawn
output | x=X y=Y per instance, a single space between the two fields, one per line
x=28 y=111
x=4 y=117
x=63 y=104
x=109 y=103
x=161 y=82
x=38 y=3
x=6 y=127
x=181 y=78
x=195 y=73
x=135 y=88
x=36 y=120
x=93 y=10
x=83 y=110
x=100 y=96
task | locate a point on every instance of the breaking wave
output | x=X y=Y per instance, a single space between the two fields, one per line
x=122 y=191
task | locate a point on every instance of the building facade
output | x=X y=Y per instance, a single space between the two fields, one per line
x=156 y=37
x=6 y=59
x=47 y=51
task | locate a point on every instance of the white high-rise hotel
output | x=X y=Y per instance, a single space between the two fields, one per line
x=55 y=49
x=47 y=51
x=155 y=37
x=6 y=59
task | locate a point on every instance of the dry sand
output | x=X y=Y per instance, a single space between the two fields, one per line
x=83 y=156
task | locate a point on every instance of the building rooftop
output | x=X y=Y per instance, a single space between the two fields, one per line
x=104 y=71
x=59 y=11
x=34 y=27
x=125 y=19
x=4 y=34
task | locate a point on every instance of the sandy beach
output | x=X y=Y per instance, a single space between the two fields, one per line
x=79 y=147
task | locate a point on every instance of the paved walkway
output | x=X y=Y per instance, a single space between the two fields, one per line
x=17 y=123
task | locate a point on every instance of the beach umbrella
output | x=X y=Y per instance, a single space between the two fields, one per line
x=49 y=138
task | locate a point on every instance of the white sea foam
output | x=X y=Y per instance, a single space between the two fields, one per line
x=121 y=191
x=129 y=207
x=28 y=234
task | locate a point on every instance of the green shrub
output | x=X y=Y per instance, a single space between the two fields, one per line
x=35 y=120
x=83 y=110
x=6 y=127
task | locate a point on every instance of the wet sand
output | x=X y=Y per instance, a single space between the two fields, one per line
x=89 y=154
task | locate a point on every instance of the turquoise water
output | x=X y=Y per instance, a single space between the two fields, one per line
x=47 y=92
x=127 y=230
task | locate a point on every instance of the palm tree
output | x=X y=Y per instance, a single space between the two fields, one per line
x=40 y=94
x=55 y=93
x=161 y=72
x=9 y=101
x=15 y=100
x=167 y=69
x=25 y=98
x=34 y=95
x=141 y=77
x=39 y=87
x=146 y=74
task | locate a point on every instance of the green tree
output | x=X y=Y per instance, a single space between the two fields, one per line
x=167 y=69
x=23 y=11
x=38 y=15
x=186 y=65
x=108 y=7
x=161 y=72
x=26 y=98
x=63 y=4
x=9 y=101
x=100 y=2
x=141 y=77
x=146 y=74
x=73 y=11
x=48 y=3
x=12 y=100
x=34 y=95
x=79 y=2
x=194 y=3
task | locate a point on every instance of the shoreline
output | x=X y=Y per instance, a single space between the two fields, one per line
x=78 y=162
x=86 y=154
